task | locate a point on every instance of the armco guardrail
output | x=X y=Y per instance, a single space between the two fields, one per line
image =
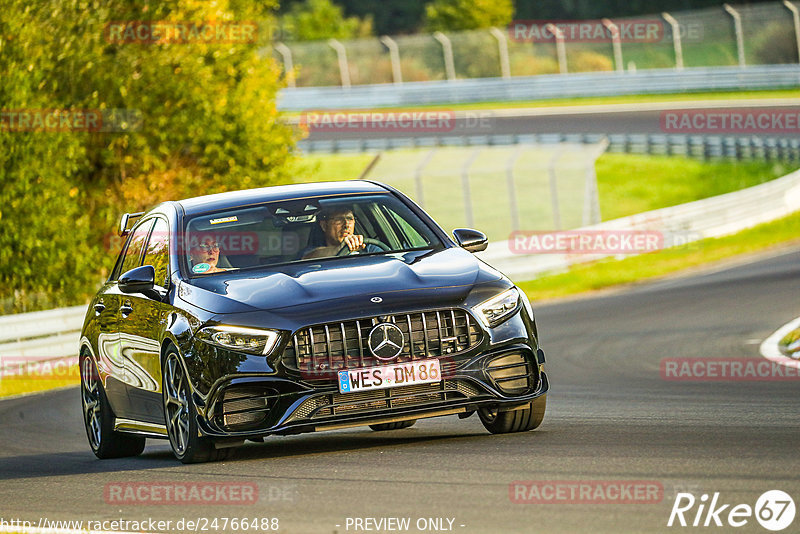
x=711 y=217
x=541 y=87
x=41 y=336
x=699 y=146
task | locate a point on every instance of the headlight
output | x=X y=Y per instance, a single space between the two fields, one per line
x=250 y=340
x=498 y=308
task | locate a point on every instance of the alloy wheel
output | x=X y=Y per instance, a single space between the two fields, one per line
x=90 y=394
x=176 y=403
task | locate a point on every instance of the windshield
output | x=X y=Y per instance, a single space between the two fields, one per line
x=301 y=230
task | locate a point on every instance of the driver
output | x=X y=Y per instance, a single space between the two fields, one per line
x=338 y=226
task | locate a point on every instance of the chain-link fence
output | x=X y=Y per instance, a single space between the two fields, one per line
x=499 y=190
x=757 y=34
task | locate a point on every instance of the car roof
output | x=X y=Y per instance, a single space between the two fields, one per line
x=246 y=197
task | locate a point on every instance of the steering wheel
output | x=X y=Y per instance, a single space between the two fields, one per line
x=344 y=250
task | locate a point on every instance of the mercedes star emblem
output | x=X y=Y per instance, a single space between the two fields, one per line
x=385 y=341
x=376 y=299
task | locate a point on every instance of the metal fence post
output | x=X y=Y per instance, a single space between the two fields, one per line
x=394 y=56
x=676 y=39
x=447 y=50
x=502 y=48
x=616 y=43
x=737 y=26
x=591 y=200
x=341 y=53
x=466 y=188
x=418 y=176
x=512 y=189
x=288 y=65
x=796 y=18
x=551 y=171
x=561 y=48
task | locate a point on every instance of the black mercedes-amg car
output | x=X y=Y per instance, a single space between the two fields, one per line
x=300 y=308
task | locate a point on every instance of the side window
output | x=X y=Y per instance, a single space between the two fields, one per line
x=157 y=252
x=410 y=233
x=133 y=253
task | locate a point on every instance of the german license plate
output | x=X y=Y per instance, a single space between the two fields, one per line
x=389 y=376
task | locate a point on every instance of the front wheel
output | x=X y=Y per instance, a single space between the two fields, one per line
x=520 y=420
x=181 y=416
x=98 y=418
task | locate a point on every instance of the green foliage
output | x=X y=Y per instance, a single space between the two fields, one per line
x=313 y=20
x=208 y=124
x=456 y=15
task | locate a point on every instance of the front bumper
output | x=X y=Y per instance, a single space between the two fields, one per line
x=249 y=406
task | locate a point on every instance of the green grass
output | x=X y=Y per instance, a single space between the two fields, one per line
x=609 y=272
x=603 y=100
x=627 y=183
x=632 y=183
x=39 y=381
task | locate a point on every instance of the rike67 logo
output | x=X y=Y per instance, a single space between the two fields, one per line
x=774 y=510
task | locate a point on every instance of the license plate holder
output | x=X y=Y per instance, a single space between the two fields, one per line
x=389 y=376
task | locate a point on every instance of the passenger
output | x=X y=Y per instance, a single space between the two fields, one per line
x=205 y=256
x=338 y=226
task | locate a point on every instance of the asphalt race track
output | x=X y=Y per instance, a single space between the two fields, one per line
x=611 y=417
x=611 y=119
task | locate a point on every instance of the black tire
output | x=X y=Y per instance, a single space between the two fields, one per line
x=520 y=420
x=392 y=426
x=98 y=418
x=180 y=416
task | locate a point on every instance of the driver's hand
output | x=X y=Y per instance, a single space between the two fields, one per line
x=354 y=242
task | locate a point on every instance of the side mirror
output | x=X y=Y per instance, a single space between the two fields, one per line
x=471 y=240
x=140 y=280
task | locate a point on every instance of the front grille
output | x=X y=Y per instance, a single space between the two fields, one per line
x=334 y=404
x=321 y=350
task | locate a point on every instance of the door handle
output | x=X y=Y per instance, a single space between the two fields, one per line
x=126 y=309
x=99 y=307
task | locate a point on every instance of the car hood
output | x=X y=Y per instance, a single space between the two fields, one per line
x=443 y=275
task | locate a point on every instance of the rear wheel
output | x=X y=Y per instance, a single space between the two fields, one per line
x=520 y=420
x=98 y=418
x=392 y=426
x=181 y=416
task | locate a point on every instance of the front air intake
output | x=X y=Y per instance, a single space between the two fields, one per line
x=245 y=407
x=511 y=373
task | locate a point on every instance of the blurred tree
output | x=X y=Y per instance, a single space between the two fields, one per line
x=456 y=15
x=390 y=17
x=591 y=9
x=313 y=20
x=204 y=121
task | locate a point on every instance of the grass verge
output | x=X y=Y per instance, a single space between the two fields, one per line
x=609 y=272
x=44 y=377
x=626 y=183
x=631 y=183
